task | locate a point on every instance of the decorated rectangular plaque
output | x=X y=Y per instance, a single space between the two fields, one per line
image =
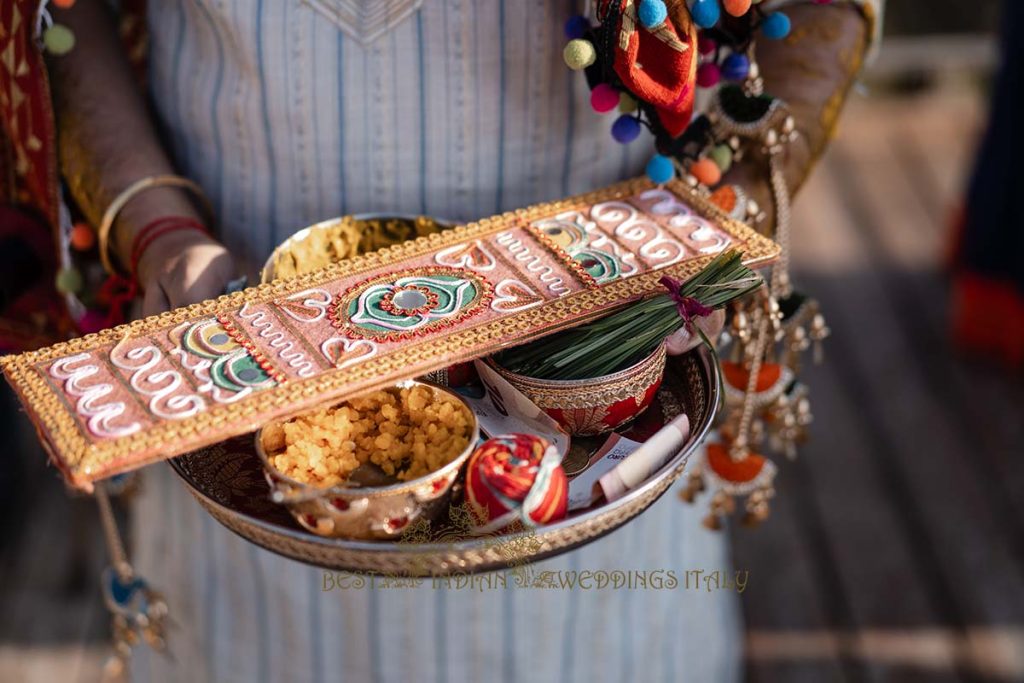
x=122 y=398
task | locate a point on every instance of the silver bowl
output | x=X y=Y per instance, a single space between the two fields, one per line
x=369 y=512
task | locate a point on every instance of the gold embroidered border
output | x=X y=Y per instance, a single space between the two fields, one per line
x=82 y=461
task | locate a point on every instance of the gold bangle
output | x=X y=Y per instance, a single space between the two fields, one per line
x=126 y=195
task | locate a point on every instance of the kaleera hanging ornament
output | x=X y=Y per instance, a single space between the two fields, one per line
x=733 y=469
x=767 y=406
x=655 y=54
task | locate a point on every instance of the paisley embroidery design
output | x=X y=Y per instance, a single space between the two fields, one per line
x=231 y=366
x=600 y=258
x=399 y=306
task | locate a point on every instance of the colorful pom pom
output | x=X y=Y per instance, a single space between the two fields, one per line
x=82 y=237
x=776 y=26
x=708 y=75
x=722 y=156
x=660 y=169
x=735 y=67
x=92 y=321
x=705 y=13
x=58 y=39
x=576 y=27
x=604 y=98
x=68 y=281
x=63 y=4
x=652 y=13
x=579 y=54
x=736 y=8
x=706 y=172
x=626 y=129
x=706 y=45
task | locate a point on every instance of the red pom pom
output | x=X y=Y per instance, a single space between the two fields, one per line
x=92 y=321
x=604 y=98
x=708 y=75
x=82 y=237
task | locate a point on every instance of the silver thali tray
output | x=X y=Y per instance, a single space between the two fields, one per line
x=228 y=482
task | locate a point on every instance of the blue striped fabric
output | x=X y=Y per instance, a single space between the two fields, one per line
x=247 y=615
x=460 y=110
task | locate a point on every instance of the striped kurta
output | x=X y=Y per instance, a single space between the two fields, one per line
x=246 y=615
x=287 y=114
x=461 y=109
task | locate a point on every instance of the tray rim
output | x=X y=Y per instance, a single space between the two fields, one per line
x=474 y=555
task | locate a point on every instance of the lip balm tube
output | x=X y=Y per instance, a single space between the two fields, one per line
x=642 y=462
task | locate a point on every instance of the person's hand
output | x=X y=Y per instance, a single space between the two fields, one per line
x=182 y=268
x=682 y=340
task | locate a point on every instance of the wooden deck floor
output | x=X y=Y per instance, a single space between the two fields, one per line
x=896 y=547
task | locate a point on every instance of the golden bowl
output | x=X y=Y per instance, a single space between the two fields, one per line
x=268 y=274
x=369 y=512
x=585 y=407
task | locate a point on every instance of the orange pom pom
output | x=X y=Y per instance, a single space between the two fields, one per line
x=63 y=4
x=82 y=237
x=736 y=8
x=706 y=172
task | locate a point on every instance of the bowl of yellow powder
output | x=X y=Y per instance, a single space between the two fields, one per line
x=370 y=466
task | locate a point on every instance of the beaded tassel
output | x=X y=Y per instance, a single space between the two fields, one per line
x=138 y=613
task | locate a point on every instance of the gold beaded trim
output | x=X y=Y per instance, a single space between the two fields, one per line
x=83 y=461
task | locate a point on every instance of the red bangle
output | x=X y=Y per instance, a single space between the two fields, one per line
x=156 y=229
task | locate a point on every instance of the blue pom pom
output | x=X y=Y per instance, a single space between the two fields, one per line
x=735 y=67
x=705 y=13
x=652 y=13
x=660 y=169
x=776 y=26
x=576 y=27
x=625 y=129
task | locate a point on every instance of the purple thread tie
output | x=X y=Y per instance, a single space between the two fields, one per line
x=688 y=307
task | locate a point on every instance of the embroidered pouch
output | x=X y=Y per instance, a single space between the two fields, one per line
x=156 y=388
